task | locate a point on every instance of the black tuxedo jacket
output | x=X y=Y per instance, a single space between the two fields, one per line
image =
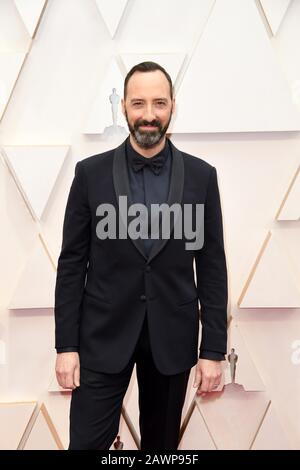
x=104 y=288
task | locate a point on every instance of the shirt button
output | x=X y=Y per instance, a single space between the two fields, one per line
x=143 y=297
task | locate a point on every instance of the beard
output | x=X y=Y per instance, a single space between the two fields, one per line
x=147 y=139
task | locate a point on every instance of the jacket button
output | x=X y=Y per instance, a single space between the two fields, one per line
x=148 y=269
x=143 y=297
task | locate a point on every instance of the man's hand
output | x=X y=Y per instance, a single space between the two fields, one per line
x=67 y=369
x=207 y=376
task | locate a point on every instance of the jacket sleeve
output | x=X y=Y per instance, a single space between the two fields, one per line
x=211 y=271
x=70 y=349
x=211 y=355
x=72 y=263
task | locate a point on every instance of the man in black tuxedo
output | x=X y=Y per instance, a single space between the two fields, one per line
x=122 y=300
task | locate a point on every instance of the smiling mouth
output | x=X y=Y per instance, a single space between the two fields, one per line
x=148 y=127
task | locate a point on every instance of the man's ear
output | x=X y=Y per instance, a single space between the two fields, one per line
x=123 y=105
x=173 y=105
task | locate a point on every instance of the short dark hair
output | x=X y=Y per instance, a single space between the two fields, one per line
x=147 y=67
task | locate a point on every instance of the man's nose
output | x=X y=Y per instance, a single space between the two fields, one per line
x=149 y=114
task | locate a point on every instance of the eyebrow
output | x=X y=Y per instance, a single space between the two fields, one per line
x=155 y=99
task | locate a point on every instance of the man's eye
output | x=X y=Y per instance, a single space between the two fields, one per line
x=137 y=104
x=161 y=103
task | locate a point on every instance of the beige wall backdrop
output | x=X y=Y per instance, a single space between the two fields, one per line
x=236 y=70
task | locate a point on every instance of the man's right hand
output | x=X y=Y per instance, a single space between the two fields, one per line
x=67 y=370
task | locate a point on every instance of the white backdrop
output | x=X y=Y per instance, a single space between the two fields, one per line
x=236 y=69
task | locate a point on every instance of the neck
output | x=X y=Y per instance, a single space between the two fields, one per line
x=148 y=152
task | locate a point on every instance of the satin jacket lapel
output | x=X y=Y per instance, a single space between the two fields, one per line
x=122 y=188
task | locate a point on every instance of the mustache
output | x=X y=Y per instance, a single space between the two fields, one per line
x=142 y=122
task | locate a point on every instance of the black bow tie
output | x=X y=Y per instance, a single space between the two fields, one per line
x=155 y=163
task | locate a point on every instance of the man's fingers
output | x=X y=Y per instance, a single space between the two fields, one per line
x=213 y=384
x=209 y=384
x=67 y=369
x=204 y=385
x=60 y=379
x=211 y=374
x=70 y=380
x=77 y=376
x=65 y=380
x=197 y=379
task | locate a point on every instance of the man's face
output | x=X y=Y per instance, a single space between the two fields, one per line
x=148 y=107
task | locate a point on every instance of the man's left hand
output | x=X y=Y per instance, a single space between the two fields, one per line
x=208 y=376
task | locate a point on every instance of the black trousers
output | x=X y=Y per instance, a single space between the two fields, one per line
x=96 y=405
